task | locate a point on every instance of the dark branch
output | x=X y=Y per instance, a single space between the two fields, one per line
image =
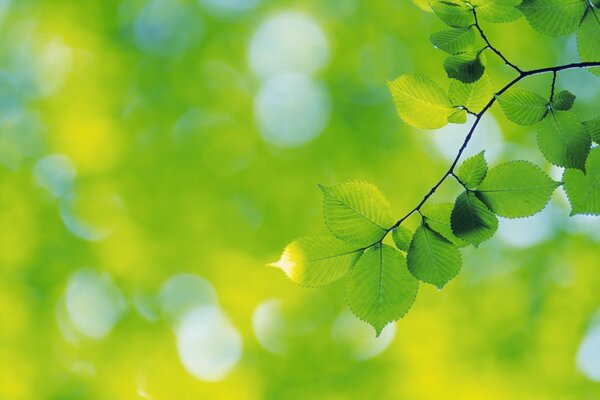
x=489 y=45
x=553 y=86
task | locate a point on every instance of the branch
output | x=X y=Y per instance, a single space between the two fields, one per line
x=492 y=48
x=478 y=117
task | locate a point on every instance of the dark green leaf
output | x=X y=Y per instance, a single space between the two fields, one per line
x=465 y=67
x=593 y=128
x=554 y=17
x=583 y=190
x=522 y=106
x=472 y=220
x=380 y=289
x=563 y=140
x=563 y=100
x=437 y=217
x=402 y=237
x=456 y=40
x=473 y=170
x=431 y=258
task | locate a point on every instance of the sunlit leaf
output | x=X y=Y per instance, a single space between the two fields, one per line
x=437 y=217
x=497 y=11
x=380 y=288
x=472 y=220
x=420 y=101
x=475 y=96
x=583 y=190
x=455 y=13
x=516 y=189
x=432 y=258
x=563 y=100
x=563 y=140
x=317 y=260
x=554 y=17
x=465 y=67
x=356 y=212
x=588 y=38
x=522 y=106
x=458 y=117
x=473 y=170
x=402 y=237
x=593 y=128
x=453 y=41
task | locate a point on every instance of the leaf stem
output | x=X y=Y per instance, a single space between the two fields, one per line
x=489 y=45
x=553 y=86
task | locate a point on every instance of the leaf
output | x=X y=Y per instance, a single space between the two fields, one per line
x=593 y=128
x=588 y=38
x=522 y=106
x=437 y=217
x=583 y=190
x=475 y=96
x=454 y=13
x=423 y=5
x=554 y=17
x=473 y=170
x=497 y=11
x=357 y=212
x=317 y=260
x=472 y=220
x=402 y=237
x=459 y=117
x=456 y=40
x=516 y=189
x=563 y=140
x=465 y=67
x=563 y=100
x=431 y=258
x=421 y=102
x=380 y=288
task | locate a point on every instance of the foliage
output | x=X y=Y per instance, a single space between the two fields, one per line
x=382 y=286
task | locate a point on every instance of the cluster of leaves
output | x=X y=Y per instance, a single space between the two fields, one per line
x=383 y=280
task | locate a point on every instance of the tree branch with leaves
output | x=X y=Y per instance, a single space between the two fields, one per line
x=382 y=280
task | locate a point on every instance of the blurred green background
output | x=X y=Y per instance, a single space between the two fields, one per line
x=156 y=154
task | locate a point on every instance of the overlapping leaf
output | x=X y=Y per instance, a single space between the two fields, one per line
x=593 y=128
x=431 y=258
x=588 y=38
x=356 y=212
x=380 y=288
x=554 y=17
x=563 y=101
x=402 y=237
x=497 y=11
x=458 y=117
x=466 y=67
x=583 y=190
x=317 y=260
x=522 y=106
x=437 y=217
x=472 y=220
x=516 y=189
x=563 y=140
x=421 y=102
x=475 y=96
x=454 y=13
x=473 y=170
x=453 y=41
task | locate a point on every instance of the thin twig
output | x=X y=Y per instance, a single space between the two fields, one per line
x=553 y=86
x=489 y=45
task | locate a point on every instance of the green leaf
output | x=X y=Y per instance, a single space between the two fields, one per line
x=593 y=128
x=497 y=11
x=475 y=96
x=456 y=40
x=522 y=106
x=459 y=117
x=588 y=38
x=473 y=170
x=421 y=102
x=455 y=13
x=563 y=140
x=431 y=258
x=437 y=217
x=380 y=288
x=402 y=237
x=472 y=220
x=554 y=17
x=583 y=190
x=466 y=67
x=563 y=100
x=516 y=189
x=317 y=260
x=357 y=212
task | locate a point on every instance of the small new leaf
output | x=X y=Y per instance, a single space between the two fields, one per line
x=588 y=38
x=455 y=13
x=474 y=96
x=453 y=41
x=315 y=261
x=522 y=106
x=593 y=128
x=473 y=170
x=380 y=288
x=437 y=217
x=472 y=220
x=421 y=102
x=402 y=237
x=583 y=190
x=357 y=212
x=554 y=17
x=431 y=258
x=516 y=189
x=563 y=140
x=465 y=67
x=563 y=101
